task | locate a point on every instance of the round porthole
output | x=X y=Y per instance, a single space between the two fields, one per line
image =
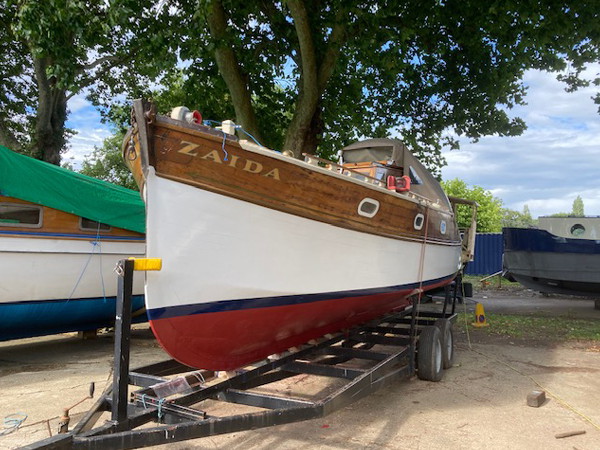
x=419 y=221
x=577 y=230
x=443 y=227
x=368 y=207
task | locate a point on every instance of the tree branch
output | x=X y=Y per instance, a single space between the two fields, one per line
x=336 y=41
x=110 y=58
x=303 y=129
x=44 y=107
x=308 y=57
x=7 y=139
x=308 y=95
x=87 y=81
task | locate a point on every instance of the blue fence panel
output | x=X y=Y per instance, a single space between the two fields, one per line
x=488 y=254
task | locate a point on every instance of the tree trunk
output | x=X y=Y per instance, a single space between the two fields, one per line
x=315 y=130
x=49 y=139
x=229 y=69
x=303 y=132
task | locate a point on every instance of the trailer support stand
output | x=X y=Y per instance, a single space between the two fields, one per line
x=122 y=342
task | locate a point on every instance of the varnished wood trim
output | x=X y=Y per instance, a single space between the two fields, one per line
x=180 y=153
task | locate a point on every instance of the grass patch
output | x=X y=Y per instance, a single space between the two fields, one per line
x=496 y=283
x=539 y=328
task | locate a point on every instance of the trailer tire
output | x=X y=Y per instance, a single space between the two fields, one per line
x=447 y=334
x=429 y=355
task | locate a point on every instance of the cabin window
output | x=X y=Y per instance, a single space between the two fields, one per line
x=18 y=215
x=577 y=230
x=419 y=221
x=368 y=207
x=414 y=176
x=380 y=173
x=92 y=225
x=443 y=227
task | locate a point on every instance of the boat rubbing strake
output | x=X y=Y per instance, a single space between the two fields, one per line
x=262 y=252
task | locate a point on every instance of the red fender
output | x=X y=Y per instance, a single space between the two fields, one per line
x=398 y=184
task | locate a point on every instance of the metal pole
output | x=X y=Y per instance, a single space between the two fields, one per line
x=447 y=297
x=412 y=346
x=122 y=342
x=456 y=291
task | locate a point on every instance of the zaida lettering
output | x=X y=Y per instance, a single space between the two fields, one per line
x=247 y=165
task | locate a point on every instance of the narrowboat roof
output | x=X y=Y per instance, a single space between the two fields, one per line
x=45 y=184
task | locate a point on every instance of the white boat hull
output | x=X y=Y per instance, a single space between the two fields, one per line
x=50 y=285
x=222 y=256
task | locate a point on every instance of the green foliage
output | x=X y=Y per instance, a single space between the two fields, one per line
x=576 y=211
x=422 y=71
x=52 y=50
x=405 y=68
x=106 y=163
x=17 y=93
x=209 y=96
x=489 y=211
x=517 y=219
x=578 y=207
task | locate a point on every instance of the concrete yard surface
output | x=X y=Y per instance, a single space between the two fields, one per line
x=527 y=302
x=480 y=403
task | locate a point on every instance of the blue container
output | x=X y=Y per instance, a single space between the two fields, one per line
x=488 y=254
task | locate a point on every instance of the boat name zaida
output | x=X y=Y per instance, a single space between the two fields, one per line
x=232 y=160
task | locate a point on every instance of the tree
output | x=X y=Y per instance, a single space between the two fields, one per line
x=107 y=163
x=53 y=50
x=578 y=207
x=323 y=72
x=511 y=218
x=352 y=68
x=489 y=211
x=16 y=93
x=576 y=210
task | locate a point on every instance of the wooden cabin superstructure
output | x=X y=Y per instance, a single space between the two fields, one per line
x=21 y=218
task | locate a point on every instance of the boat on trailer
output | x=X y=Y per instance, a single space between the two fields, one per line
x=61 y=236
x=262 y=252
x=561 y=256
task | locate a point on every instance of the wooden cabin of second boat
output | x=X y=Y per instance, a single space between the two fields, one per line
x=26 y=219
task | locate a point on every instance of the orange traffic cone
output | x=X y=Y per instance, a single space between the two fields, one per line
x=480 y=316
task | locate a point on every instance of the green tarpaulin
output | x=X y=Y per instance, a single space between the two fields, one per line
x=49 y=185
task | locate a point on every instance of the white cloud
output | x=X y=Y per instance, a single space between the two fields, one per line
x=77 y=103
x=556 y=158
x=90 y=131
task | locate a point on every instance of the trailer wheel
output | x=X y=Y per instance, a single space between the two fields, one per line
x=447 y=335
x=429 y=355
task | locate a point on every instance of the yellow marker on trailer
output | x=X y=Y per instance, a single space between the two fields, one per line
x=145 y=264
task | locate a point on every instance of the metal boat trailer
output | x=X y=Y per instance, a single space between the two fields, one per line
x=166 y=409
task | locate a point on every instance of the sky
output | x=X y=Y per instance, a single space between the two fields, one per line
x=85 y=120
x=556 y=159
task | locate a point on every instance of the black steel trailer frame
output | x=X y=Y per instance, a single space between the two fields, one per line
x=387 y=350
